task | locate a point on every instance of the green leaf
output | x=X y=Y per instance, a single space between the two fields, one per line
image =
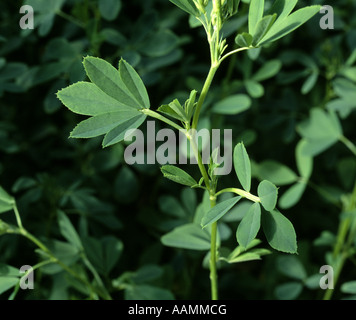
x=263 y=26
x=288 y=291
x=147 y=292
x=268 y=194
x=189 y=236
x=232 y=105
x=6 y=201
x=217 y=212
x=160 y=43
x=279 y=232
x=321 y=131
x=291 y=267
x=103 y=123
x=255 y=14
x=292 y=196
x=7 y=283
x=103 y=253
x=251 y=255
x=178 y=175
x=87 y=99
x=188 y=6
x=349 y=287
x=109 y=9
x=108 y=79
x=9 y=271
x=268 y=70
x=244 y=40
x=254 y=89
x=134 y=84
x=242 y=166
x=249 y=226
x=275 y=172
x=67 y=230
x=304 y=162
x=282 y=8
x=285 y=26
x=118 y=133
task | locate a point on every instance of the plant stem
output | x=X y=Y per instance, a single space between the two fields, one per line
x=204 y=92
x=213 y=251
x=158 y=116
x=241 y=193
x=348 y=144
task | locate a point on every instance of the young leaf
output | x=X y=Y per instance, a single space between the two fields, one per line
x=244 y=40
x=275 y=172
x=279 y=232
x=291 y=267
x=7 y=283
x=190 y=104
x=263 y=26
x=67 y=230
x=178 y=175
x=290 y=23
x=232 y=105
x=249 y=226
x=282 y=8
x=242 y=166
x=268 y=194
x=304 y=162
x=188 y=6
x=255 y=14
x=189 y=236
x=217 y=212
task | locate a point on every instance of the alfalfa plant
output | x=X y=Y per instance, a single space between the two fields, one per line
x=116 y=100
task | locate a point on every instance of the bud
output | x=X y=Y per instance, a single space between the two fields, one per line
x=232 y=6
x=200 y=6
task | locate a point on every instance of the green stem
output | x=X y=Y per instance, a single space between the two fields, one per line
x=213 y=259
x=158 y=116
x=233 y=52
x=241 y=193
x=17 y=215
x=205 y=90
x=348 y=144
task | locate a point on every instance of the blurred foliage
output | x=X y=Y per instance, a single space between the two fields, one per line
x=119 y=212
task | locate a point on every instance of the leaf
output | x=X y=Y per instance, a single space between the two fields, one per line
x=6 y=201
x=189 y=236
x=282 y=8
x=87 y=99
x=118 y=133
x=109 y=80
x=268 y=194
x=292 y=195
x=7 y=283
x=188 y=6
x=232 y=105
x=178 y=175
x=147 y=292
x=249 y=226
x=279 y=232
x=275 y=172
x=291 y=267
x=103 y=123
x=255 y=14
x=288 y=291
x=160 y=43
x=109 y=9
x=254 y=89
x=67 y=230
x=282 y=27
x=263 y=26
x=349 y=287
x=218 y=211
x=134 y=83
x=242 y=166
x=304 y=162
x=268 y=70
x=244 y=40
